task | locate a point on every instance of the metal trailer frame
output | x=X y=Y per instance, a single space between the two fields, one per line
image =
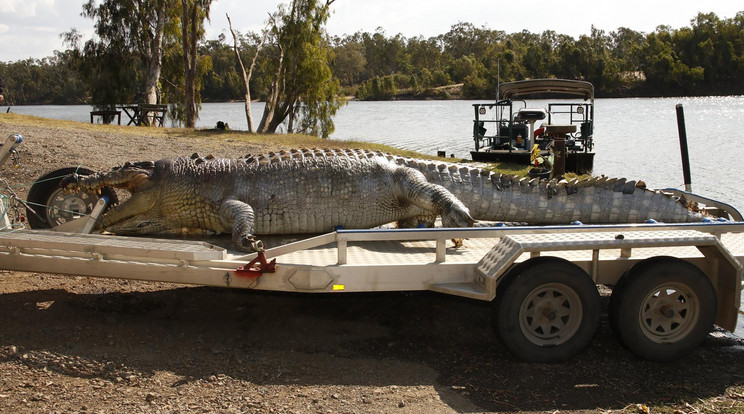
x=389 y=260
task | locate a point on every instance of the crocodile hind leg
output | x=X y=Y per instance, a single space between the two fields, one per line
x=239 y=216
x=413 y=187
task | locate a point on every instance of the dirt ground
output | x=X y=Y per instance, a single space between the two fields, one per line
x=77 y=344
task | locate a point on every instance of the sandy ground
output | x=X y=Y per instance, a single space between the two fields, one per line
x=76 y=344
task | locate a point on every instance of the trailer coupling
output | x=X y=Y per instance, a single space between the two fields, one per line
x=257 y=267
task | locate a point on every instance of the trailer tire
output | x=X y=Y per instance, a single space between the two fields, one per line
x=663 y=308
x=52 y=206
x=547 y=310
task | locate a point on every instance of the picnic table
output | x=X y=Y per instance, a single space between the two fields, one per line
x=143 y=114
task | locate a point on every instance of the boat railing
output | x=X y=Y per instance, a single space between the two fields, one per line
x=581 y=114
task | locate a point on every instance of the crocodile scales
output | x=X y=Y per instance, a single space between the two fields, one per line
x=315 y=191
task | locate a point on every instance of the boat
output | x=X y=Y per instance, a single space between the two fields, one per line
x=505 y=130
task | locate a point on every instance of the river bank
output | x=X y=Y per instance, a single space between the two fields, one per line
x=74 y=344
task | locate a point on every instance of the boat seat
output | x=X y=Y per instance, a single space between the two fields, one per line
x=528 y=114
x=554 y=129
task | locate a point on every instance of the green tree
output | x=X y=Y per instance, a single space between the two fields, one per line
x=223 y=82
x=665 y=72
x=463 y=67
x=303 y=92
x=128 y=28
x=53 y=80
x=383 y=54
x=349 y=62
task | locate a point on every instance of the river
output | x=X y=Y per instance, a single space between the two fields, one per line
x=634 y=138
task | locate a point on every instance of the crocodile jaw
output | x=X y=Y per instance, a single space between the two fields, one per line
x=135 y=216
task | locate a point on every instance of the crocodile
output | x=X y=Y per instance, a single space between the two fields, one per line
x=315 y=191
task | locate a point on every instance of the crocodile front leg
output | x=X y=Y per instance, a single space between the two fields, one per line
x=413 y=187
x=239 y=216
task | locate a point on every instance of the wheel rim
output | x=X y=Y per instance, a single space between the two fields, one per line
x=550 y=314
x=669 y=312
x=63 y=207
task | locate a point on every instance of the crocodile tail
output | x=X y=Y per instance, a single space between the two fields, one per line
x=596 y=200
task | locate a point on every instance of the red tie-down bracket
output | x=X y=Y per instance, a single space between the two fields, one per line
x=257 y=267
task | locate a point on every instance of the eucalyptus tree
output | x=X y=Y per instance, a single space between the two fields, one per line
x=129 y=28
x=349 y=62
x=665 y=72
x=303 y=91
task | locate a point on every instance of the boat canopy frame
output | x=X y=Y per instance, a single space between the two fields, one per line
x=511 y=90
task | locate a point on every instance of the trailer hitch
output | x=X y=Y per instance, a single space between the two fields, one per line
x=258 y=266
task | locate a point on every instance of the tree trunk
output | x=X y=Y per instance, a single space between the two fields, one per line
x=278 y=116
x=189 y=62
x=265 y=126
x=246 y=75
x=155 y=61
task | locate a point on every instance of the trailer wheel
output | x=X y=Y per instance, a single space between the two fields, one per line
x=663 y=308
x=547 y=311
x=52 y=206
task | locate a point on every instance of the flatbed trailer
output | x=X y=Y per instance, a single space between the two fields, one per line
x=486 y=268
x=671 y=282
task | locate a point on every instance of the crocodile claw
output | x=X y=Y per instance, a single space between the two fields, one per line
x=459 y=216
x=251 y=245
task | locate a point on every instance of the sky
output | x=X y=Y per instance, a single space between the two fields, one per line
x=31 y=28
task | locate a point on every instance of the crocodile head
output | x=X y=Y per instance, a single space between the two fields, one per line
x=140 y=213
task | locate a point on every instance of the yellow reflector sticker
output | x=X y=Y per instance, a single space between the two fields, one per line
x=339 y=287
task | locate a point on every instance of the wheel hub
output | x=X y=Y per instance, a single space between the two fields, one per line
x=64 y=207
x=551 y=314
x=669 y=312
